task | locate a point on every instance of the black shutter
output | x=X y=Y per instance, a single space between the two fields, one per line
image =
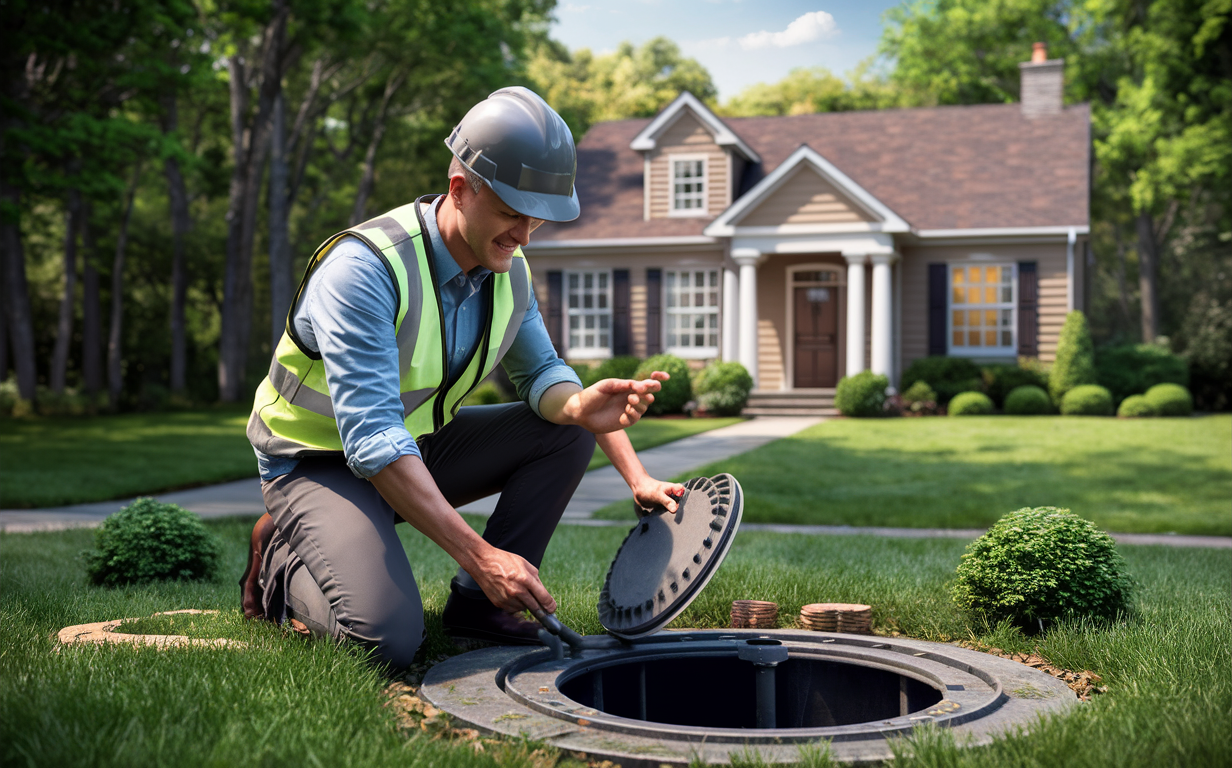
x=654 y=311
x=937 y=292
x=556 y=284
x=620 y=312
x=1028 y=309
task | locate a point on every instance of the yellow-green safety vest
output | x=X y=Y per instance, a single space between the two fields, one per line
x=292 y=415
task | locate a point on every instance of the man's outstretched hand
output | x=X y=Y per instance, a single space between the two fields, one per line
x=606 y=405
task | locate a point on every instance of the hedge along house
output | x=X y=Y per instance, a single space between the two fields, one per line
x=811 y=247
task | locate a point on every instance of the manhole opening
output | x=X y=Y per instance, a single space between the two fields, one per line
x=721 y=692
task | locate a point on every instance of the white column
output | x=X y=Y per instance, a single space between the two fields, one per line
x=855 y=313
x=731 y=314
x=748 y=258
x=883 y=314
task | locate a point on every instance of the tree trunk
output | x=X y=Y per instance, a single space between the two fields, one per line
x=1148 y=277
x=281 y=281
x=4 y=328
x=177 y=193
x=64 y=328
x=115 y=376
x=91 y=314
x=17 y=297
x=368 y=178
x=1122 y=280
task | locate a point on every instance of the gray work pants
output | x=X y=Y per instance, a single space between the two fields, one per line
x=334 y=561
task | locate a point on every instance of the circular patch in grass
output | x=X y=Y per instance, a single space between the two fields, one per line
x=102 y=632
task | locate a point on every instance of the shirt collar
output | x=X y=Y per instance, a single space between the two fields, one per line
x=446 y=268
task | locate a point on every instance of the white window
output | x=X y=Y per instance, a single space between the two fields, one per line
x=688 y=185
x=589 y=297
x=693 y=312
x=982 y=309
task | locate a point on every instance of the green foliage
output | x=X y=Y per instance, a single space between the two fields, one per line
x=947 y=375
x=676 y=391
x=1132 y=369
x=862 y=395
x=1170 y=400
x=1087 y=400
x=1042 y=564
x=970 y=404
x=1136 y=406
x=723 y=388
x=1027 y=400
x=150 y=541
x=585 y=372
x=617 y=367
x=919 y=392
x=816 y=89
x=1000 y=380
x=1075 y=363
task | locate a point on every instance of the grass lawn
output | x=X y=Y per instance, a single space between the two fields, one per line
x=1168 y=666
x=74 y=460
x=1136 y=476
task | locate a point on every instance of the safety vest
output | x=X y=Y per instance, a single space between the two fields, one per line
x=292 y=414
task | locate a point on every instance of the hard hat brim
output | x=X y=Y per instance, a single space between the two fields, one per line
x=538 y=205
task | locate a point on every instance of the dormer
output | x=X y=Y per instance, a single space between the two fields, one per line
x=692 y=162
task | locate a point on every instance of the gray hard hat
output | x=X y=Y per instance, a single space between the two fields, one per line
x=523 y=150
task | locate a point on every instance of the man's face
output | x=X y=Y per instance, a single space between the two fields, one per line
x=492 y=229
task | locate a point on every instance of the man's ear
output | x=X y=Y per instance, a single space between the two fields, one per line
x=459 y=190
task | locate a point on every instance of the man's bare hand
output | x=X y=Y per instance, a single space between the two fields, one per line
x=511 y=583
x=612 y=404
x=650 y=493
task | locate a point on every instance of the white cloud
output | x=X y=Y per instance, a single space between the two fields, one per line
x=806 y=29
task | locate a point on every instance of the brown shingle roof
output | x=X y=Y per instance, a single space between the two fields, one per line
x=941 y=168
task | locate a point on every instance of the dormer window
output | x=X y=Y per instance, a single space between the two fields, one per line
x=688 y=185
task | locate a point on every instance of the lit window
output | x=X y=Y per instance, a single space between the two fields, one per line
x=688 y=187
x=589 y=296
x=982 y=309
x=693 y=313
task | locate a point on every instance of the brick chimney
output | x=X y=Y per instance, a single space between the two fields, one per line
x=1042 y=83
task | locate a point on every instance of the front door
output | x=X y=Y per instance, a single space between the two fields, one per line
x=816 y=332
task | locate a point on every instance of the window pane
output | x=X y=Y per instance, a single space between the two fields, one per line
x=574 y=322
x=958 y=277
x=699 y=279
x=958 y=318
x=602 y=301
x=671 y=340
x=590 y=322
x=990 y=338
x=699 y=299
x=603 y=281
x=992 y=275
x=671 y=281
x=714 y=298
x=684 y=299
x=573 y=282
x=573 y=301
x=714 y=340
x=1007 y=294
x=990 y=295
x=958 y=338
x=603 y=340
x=973 y=274
x=973 y=317
x=990 y=318
x=588 y=279
x=588 y=301
x=714 y=320
x=590 y=339
x=973 y=338
x=575 y=340
x=958 y=295
x=973 y=295
x=1007 y=338
x=714 y=279
x=603 y=321
x=697 y=339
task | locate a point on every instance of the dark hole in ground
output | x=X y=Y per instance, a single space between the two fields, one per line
x=719 y=692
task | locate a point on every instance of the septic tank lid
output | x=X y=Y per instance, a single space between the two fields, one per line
x=668 y=557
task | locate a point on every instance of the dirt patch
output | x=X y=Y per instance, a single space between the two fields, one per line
x=1085 y=683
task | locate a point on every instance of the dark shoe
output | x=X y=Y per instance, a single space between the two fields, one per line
x=466 y=618
x=251 y=593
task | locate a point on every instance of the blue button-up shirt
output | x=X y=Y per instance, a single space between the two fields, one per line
x=348 y=313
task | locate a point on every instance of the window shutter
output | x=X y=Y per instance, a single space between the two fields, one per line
x=937 y=293
x=654 y=311
x=556 y=285
x=620 y=312
x=1028 y=309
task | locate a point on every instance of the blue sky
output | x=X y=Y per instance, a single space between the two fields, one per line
x=741 y=42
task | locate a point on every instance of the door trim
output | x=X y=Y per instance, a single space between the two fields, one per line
x=789 y=377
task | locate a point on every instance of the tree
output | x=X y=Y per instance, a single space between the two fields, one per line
x=808 y=90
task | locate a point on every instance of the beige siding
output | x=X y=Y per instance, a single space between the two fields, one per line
x=804 y=198
x=770 y=368
x=1050 y=259
x=637 y=311
x=687 y=136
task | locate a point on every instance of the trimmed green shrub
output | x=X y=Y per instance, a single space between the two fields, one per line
x=919 y=392
x=486 y=393
x=676 y=391
x=1000 y=380
x=970 y=404
x=585 y=372
x=1087 y=400
x=152 y=541
x=1170 y=399
x=619 y=367
x=1042 y=564
x=1075 y=363
x=1027 y=400
x=1136 y=407
x=947 y=375
x=1132 y=369
x=862 y=395
x=723 y=388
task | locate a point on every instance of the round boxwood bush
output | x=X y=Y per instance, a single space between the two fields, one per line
x=970 y=404
x=723 y=388
x=862 y=395
x=1087 y=400
x=1170 y=399
x=1136 y=406
x=1028 y=400
x=1001 y=380
x=152 y=541
x=676 y=391
x=618 y=367
x=947 y=375
x=1042 y=564
x=1132 y=369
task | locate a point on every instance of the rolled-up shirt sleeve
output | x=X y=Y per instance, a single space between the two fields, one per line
x=350 y=312
x=532 y=363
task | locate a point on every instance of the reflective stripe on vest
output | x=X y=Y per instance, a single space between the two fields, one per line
x=293 y=415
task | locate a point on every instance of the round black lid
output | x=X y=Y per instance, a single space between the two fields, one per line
x=667 y=558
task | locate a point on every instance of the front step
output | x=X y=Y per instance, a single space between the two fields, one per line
x=807 y=402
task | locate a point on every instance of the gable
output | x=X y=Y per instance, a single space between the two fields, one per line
x=687 y=136
x=804 y=198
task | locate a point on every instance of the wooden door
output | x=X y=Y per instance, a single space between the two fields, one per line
x=816 y=342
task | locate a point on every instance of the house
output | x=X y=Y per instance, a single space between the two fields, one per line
x=811 y=247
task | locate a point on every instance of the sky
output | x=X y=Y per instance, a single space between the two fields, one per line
x=741 y=42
